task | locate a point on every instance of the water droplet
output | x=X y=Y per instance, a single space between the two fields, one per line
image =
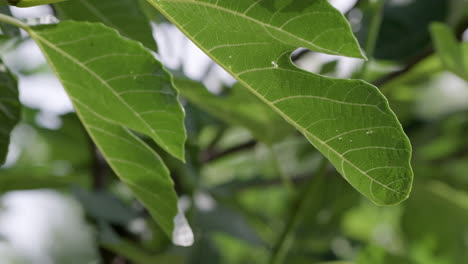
x=336 y=130
x=350 y=140
x=274 y=64
x=230 y=56
x=340 y=138
x=369 y=132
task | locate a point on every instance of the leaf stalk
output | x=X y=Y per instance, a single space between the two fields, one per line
x=304 y=203
x=372 y=35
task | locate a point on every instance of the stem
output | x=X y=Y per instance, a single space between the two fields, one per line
x=303 y=203
x=372 y=35
x=212 y=156
x=98 y=168
x=13 y=21
x=285 y=179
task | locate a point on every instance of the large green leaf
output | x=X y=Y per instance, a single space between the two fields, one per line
x=117 y=86
x=9 y=108
x=239 y=107
x=349 y=121
x=123 y=15
x=117 y=78
x=454 y=55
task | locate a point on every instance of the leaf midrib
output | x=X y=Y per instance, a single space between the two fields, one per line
x=299 y=127
x=102 y=81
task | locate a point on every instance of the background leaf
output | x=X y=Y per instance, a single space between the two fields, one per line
x=454 y=55
x=349 y=121
x=238 y=107
x=123 y=15
x=9 y=108
x=420 y=223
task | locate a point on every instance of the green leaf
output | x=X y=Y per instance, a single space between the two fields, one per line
x=349 y=121
x=454 y=55
x=9 y=108
x=239 y=107
x=7 y=29
x=14 y=180
x=103 y=206
x=117 y=78
x=123 y=15
x=117 y=86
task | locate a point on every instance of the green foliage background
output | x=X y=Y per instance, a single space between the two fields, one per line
x=151 y=146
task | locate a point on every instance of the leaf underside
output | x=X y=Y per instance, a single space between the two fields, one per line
x=123 y=15
x=349 y=121
x=117 y=87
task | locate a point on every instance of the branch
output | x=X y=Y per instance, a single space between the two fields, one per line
x=211 y=155
x=372 y=35
x=239 y=186
x=409 y=66
x=98 y=168
x=460 y=29
x=305 y=203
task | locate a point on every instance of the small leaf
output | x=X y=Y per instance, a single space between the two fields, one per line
x=239 y=107
x=123 y=15
x=9 y=108
x=349 y=121
x=454 y=55
x=117 y=86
